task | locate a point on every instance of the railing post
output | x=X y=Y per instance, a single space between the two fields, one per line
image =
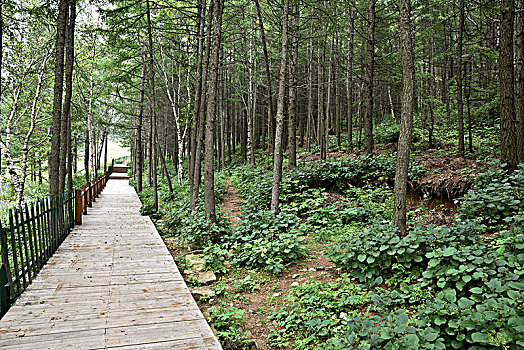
x=6 y=282
x=78 y=206
x=93 y=191
x=4 y=291
x=88 y=192
x=98 y=187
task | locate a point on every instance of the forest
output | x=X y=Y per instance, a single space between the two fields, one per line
x=326 y=174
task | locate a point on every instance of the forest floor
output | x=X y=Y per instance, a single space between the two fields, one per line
x=263 y=295
x=247 y=305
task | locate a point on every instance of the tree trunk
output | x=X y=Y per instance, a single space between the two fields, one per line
x=277 y=158
x=508 y=133
x=519 y=75
x=90 y=125
x=406 y=123
x=197 y=176
x=140 y=117
x=152 y=100
x=201 y=13
x=209 y=160
x=271 y=111
x=292 y=110
x=65 y=137
x=368 y=80
x=460 y=103
x=54 y=157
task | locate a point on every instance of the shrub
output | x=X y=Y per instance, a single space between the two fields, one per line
x=497 y=195
x=371 y=253
x=315 y=311
x=264 y=241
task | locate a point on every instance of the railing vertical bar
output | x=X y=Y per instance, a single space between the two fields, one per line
x=61 y=217
x=41 y=236
x=71 y=210
x=15 y=255
x=21 y=226
x=47 y=222
x=27 y=228
x=37 y=241
x=4 y=241
x=20 y=248
x=51 y=226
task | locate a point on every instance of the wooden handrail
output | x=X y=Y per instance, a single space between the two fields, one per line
x=34 y=233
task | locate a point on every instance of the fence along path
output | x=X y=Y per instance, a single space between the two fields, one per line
x=111 y=284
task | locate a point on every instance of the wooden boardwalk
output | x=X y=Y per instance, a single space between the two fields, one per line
x=112 y=284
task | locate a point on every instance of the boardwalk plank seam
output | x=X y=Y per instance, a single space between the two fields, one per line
x=111 y=285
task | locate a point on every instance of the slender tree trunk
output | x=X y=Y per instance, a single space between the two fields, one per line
x=292 y=110
x=209 y=160
x=321 y=119
x=460 y=103
x=152 y=100
x=201 y=9
x=468 y=107
x=368 y=80
x=86 y=155
x=271 y=111
x=310 y=121
x=197 y=176
x=65 y=137
x=519 y=75
x=54 y=157
x=90 y=124
x=508 y=133
x=277 y=158
x=140 y=118
x=406 y=124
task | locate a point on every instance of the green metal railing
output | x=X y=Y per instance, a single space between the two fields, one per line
x=35 y=231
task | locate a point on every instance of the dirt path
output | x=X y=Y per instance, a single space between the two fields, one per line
x=231 y=203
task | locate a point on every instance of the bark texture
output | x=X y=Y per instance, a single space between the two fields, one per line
x=406 y=121
x=508 y=132
x=368 y=80
x=54 y=157
x=209 y=160
x=277 y=157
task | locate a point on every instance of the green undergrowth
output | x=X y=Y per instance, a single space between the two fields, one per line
x=457 y=285
x=438 y=287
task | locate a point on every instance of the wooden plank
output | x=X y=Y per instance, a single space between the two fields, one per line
x=111 y=284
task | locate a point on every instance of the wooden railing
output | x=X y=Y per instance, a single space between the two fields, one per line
x=35 y=231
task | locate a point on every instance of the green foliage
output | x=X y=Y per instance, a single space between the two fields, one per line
x=228 y=322
x=264 y=241
x=390 y=132
x=371 y=253
x=393 y=331
x=340 y=174
x=254 y=186
x=315 y=311
x=497 y=195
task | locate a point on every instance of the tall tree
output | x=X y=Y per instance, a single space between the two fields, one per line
x=368 y=80
x=65 y=128
x=292 y=108
x=209 y=160
x=508 y=132
x=406 y=121
x=519 y=75
x=460 y=100
x=54 y=157
x=277 y=154
x=152 y=102
x=140 y=123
